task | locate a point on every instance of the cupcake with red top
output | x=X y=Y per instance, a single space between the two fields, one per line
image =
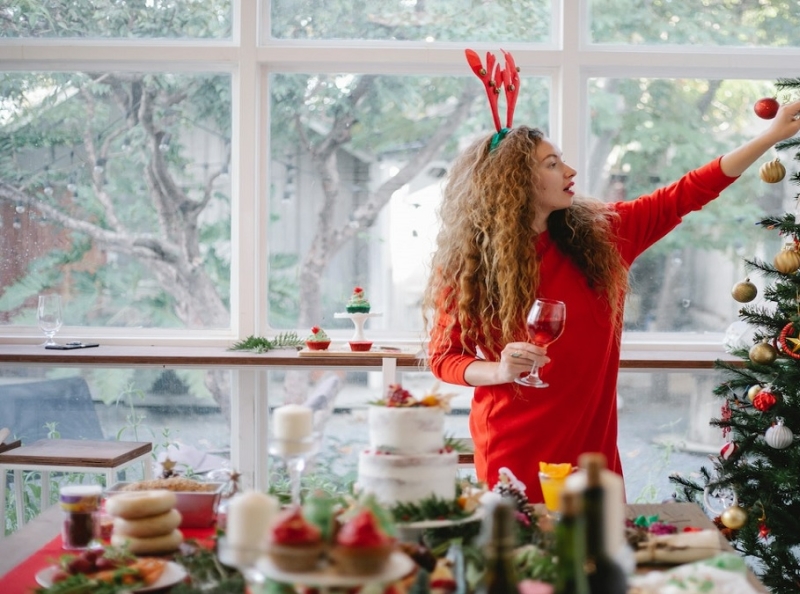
x=294 y=543
x=358 y=302
x=361 y=546
x=318 y=340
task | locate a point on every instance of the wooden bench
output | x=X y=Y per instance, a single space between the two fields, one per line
x=67 y=455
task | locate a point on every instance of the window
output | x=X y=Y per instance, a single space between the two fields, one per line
x=502 y=21
x=109 y=19
x=117 y=197
x=218 y=140
x=354 y=192
x=736 y=23
x=645 y=133
x=205 y=221
x=165 y=168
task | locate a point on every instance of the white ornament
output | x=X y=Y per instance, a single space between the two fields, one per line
x=779 y=436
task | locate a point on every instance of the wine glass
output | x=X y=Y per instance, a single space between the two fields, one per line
x=545 y=323
x=49 y=316
x=296 y=453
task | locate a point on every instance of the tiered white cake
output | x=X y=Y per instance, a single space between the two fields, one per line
x=406 y=461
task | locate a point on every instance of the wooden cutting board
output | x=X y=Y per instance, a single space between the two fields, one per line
x=376 y=352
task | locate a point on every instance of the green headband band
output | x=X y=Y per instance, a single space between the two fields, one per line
x=497 y=137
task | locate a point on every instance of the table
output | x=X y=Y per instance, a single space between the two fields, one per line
x=68 y=455
x=41 y=531
x=683 y=515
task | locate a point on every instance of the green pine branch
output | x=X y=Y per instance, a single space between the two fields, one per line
x=259 y=344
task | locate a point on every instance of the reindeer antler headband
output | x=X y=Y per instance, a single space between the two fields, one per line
x=494 y=79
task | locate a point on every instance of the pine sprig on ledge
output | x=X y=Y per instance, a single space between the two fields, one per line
x=259 y=344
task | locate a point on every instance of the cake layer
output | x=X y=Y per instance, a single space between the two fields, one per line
x=412 y=430
x=394 y=479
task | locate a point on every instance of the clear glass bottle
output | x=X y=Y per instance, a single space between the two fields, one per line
x=498 y=539
x=571 y=547
x=604 y=574
x=80 y=525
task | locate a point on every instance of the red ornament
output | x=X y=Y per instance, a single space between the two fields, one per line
x=764 y=401
x=763 y=530
x=728 y=450
x=794 y=350
x=766 y=108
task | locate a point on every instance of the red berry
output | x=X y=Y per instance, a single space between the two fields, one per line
x=766 y=108
x=314 y=329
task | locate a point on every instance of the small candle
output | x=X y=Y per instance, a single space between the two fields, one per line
x=250 y=514
x=292 y=426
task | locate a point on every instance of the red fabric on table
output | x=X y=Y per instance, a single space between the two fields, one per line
x=22 y=579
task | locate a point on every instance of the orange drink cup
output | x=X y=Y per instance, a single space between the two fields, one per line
x=552 y=478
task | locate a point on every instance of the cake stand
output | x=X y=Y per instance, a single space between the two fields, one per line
x=326 y=579
x=358 y=319
x=410 y=531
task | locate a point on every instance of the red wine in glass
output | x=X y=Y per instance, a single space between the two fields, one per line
x=545 y=324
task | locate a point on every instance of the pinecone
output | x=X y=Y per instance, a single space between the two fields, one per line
x=521 y=502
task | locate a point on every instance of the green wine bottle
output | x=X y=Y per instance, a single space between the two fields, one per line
x=605 y=576
x=498 y=536
x=571 y=547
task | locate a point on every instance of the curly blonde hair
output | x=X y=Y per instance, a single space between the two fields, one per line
x=484 y=271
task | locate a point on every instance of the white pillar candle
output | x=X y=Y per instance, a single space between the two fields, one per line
x=291 y=425
x=250 y=514
x=292 y=422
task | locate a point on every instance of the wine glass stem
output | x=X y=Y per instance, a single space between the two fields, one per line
x=534 y=372
x=295 y=474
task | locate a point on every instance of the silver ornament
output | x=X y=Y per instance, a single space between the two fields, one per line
x=779 y=436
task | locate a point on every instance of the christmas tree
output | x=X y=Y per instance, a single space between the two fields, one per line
x=753 y=486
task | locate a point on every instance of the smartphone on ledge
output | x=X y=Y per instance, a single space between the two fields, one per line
x=71 y=345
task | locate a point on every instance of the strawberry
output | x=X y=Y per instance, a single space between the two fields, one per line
x=398 y=396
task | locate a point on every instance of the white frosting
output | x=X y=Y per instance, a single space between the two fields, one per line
x=394 y=479
x=406 y=461
x=412 y=430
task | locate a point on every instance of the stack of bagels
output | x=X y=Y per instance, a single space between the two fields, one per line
x=146 y=522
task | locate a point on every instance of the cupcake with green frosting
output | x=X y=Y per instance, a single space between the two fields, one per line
x=357 y=303
x=318 y=340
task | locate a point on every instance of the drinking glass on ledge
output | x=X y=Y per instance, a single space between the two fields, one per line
x=48 y=314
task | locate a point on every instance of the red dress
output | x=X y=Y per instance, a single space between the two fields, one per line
x=517 y=427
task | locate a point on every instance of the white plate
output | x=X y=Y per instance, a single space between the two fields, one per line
x=399 y=565
x=173 y=573
x=425 y=524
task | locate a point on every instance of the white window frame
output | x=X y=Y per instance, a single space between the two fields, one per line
x=569 y=61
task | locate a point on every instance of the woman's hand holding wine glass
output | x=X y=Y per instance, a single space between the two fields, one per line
x=545 y=324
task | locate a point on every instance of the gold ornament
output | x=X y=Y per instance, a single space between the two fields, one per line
x=788 y=259
x=753 y=391
x=744 y=292
x=763 y=353
x=772 y=172
x=734 y=517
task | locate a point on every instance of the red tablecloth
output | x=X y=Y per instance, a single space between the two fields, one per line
x=22 y=579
